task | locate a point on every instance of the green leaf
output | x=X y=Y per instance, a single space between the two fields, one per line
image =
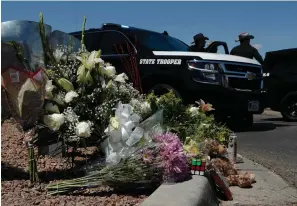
x=89 y=77
x=81 y=74
x=65 y=84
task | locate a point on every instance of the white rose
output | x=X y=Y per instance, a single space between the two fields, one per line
x=194 y=111
x=109 y=71
x=54 y=121
x=49 y=88
x=83 y=129
x=50 y=107
x=121 y=78
x=69 y=96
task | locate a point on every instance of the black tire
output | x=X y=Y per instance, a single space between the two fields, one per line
x=161 y=89
x=289 y=107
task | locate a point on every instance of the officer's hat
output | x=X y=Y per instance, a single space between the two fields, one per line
x=198 y=37
x=244 y=35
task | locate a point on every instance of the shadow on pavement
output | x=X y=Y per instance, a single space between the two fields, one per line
x=261 y=127
x=273 y=119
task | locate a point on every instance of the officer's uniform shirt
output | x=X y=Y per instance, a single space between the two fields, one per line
x=248 y=51
x=196 y=49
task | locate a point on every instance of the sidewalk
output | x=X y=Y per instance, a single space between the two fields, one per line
x=269 y=190
x=270 y=112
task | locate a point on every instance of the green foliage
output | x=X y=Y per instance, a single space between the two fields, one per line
x=179 y=118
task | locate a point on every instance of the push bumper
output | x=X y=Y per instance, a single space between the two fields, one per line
x=229 y=100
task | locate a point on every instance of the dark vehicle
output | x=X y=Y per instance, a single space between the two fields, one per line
x=280 y=72
x=232 y=84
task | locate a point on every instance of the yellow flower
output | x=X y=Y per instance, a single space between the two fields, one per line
x=191 y=148
x=115 y=123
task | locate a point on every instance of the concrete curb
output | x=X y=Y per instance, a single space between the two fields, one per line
x=195 y=192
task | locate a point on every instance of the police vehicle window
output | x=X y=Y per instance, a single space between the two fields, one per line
x=92 y=41
x=160 y=42
x=113 y=43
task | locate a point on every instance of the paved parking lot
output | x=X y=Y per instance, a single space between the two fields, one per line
x=272 y=143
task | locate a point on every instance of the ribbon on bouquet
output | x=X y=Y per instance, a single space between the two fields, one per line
x=123 y=132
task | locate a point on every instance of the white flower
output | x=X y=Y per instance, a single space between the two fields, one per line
x=109 y=71
x=59 y=98
x=194 y=111
x=83 y=129
x=114 y=122
x=69 y=96
x=54 y=121
x=50 y=107
x=49 y=88
x=134 y=102
x=145 y=107
x=121 y=78
x=58 y=54
x=89 y=61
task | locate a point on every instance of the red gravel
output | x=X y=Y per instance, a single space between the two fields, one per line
x=17 y=190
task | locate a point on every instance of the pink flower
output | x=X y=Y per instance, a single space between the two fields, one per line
x=174 y=161
x=147 y=156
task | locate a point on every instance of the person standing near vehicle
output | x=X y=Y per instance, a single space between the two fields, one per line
x=199 y=43
x=245 y=49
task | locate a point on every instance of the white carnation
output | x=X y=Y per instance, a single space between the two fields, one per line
x=69 y=96
x=121 y=78
x=54 y=121
x=83 y=129
x=194 y=111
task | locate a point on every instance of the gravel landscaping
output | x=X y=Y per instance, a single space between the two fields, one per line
x=17 y=189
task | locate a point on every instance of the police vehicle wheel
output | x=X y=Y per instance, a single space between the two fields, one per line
x=161 y=89
x=289 y=107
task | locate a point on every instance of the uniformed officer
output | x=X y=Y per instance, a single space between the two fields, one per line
x=199 y=43
x=245 y=49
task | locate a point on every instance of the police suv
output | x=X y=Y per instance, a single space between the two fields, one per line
x=232 y=84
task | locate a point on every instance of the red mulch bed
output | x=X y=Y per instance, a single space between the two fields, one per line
x=17 y=190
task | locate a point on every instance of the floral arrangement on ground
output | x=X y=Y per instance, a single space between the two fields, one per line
x=146 y=139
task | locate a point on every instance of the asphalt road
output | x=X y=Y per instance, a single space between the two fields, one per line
x=272 y=143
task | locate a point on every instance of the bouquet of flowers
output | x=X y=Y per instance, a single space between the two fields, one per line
x=81 y=90
x=161 y=160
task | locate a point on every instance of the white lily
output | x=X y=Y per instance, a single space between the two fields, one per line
x=121 y=78
x=54 y=121
x=83 y=129
x=90 y=60
x=70 y=96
